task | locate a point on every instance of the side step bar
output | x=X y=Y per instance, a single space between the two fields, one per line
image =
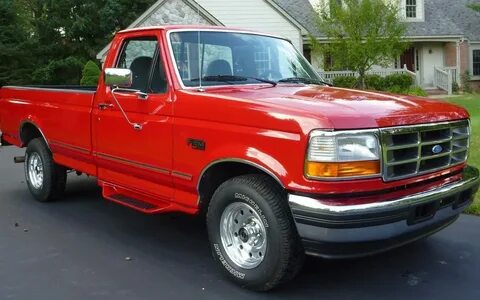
x=143 y=206
x=134 y=200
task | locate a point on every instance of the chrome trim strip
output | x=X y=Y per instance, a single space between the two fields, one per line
x=38 y=128
x=132 y=163
x=236 y=160
x=182 y=175
x=26 y=88
x=470 y=179
x=71 y=147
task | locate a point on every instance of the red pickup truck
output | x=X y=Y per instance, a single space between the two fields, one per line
x=237 y=125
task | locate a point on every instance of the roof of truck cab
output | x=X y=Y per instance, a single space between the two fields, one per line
x=197 y=27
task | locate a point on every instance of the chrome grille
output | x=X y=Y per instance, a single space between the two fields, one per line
x=414 y=150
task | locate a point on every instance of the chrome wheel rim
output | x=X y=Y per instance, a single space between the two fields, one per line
x=243 y=235
x=35 y=170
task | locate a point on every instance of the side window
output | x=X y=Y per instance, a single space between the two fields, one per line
x=142 y=57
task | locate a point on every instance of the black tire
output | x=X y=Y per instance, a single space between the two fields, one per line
x=54 y=176
x=284 y=253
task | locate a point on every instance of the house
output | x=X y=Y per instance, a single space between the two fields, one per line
x=444 y=34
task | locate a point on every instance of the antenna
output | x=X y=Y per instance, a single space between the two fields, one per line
x=200 y=62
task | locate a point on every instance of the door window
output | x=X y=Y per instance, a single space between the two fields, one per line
x=141 y=56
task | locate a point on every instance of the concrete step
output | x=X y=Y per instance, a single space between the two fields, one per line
x=435 y=92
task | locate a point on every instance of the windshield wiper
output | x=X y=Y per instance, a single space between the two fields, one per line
x=304 y=80
x=233 y=78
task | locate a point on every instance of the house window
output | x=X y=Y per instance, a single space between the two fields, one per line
x=476 y=63
x=411 y=8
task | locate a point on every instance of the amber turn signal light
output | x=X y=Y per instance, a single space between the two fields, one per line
x=342 y=169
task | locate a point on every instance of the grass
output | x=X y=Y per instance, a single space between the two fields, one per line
x=472 y=104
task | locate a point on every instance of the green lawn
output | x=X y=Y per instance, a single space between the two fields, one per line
x=472 y=104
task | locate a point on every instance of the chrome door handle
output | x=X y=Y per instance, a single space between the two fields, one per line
x=104 y=106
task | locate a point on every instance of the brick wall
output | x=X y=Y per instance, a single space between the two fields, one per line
x=450 y=54
x=464 y=57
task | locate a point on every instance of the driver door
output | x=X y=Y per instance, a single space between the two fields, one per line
x=133 y=148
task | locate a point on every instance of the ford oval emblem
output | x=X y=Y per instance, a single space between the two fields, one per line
x=437 y=149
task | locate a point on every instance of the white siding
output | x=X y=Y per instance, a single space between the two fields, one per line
x=254 y=15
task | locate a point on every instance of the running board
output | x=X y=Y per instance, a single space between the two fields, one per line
x=142 y=203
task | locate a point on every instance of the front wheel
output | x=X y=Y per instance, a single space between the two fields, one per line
x=252 y=232
x=45 y=179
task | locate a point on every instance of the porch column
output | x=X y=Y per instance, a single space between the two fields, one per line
x=458 y=63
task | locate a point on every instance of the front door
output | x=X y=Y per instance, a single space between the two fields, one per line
x=408 y=59
x=133 y=148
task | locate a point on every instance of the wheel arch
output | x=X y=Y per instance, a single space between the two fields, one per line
x=217 y=172
x=29 y=131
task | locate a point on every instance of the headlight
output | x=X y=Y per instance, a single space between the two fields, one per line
x=343 y=154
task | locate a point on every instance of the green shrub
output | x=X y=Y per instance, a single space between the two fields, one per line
x=466 y=78
x=416 y=91
x=90 y=74
x=455 y=87
x=375 y=82
x=345 y=81
x=395 y=90
x=402 y=81
x=411 y=91
x=63 y=71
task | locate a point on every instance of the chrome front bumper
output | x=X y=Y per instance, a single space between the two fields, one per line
x=358 y=230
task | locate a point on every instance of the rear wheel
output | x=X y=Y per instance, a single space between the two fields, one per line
x=252 y=233
x=45 y=179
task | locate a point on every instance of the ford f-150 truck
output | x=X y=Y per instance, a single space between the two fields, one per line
x=238 y=126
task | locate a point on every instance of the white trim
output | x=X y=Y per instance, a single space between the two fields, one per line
x=420 y=11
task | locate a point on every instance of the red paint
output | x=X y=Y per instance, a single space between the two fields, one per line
x=264 y=125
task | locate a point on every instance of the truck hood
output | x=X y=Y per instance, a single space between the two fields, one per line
x=346 y=108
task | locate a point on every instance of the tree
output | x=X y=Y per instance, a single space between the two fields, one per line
x=15 y=65
x=90 y=74
x=361 y=34
x=474 y=6
x=57 y=38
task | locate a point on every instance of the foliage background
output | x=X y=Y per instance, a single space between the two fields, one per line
x=49 y=41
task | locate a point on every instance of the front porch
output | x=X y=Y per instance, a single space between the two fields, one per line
x=434 y=65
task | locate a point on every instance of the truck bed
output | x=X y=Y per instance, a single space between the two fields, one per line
x=61 y=113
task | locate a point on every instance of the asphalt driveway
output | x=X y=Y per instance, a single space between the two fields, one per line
x=88 y=248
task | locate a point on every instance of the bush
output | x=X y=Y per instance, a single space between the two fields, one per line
x=416 y=91
x=63 y=71
x=411 y=91
x=455 y=87
x=400 y=81
x=375 y=82
x=345 y=81
x=467 y=87
x=90 y=74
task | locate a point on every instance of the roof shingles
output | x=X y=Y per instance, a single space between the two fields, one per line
x=442 y=18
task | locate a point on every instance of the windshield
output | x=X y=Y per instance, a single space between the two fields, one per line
x=219 y=58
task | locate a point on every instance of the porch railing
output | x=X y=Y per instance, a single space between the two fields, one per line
x=443 y=79
x=454 y=72
x=331 y=75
